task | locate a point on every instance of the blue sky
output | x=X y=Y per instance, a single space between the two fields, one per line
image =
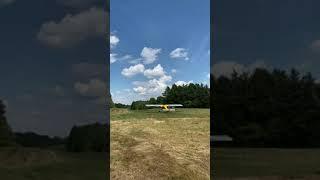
x=145 y=33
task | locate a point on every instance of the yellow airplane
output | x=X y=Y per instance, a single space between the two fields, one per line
x=165 y=107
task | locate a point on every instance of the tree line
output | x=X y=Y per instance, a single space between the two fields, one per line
x=91 y=137
x=189 y=95
x=267 y=108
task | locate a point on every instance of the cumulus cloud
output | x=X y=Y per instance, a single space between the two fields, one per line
x=153 y=87
x=114 y=40
x=94 y=88
x=140 y=89
x=126 y=96
x=6 y=2
x=73 y=29
x=182 y=83
x=179 y=53
x=226 y=68
x=125 y=57
x=157 y=71
x=114 y=57
x=133 y=70
x=135 y=61
x=149 y=55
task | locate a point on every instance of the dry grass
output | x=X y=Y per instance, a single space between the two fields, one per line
x=20 y=163
x=13 y=157
x=265 y=163
x=315 y=177
x=160 y=148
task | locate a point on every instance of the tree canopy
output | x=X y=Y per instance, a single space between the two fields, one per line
x=92 y=137
x=267 y=108
x=189 y=95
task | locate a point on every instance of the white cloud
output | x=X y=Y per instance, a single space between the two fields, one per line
x=133 y=70
x=140 y=90
x=113 y=58
x=179 y=53
x=73 y=29
x=94 y=88
x=257 y=64
x=226 y=68
x=153 y=87
x=135 y=61
x=114 y=40
x=181 y=83
x=157 y=71
x=173 y=71
x=126 y=96
x=6 y=2
x=125 y=57
x=149 y=55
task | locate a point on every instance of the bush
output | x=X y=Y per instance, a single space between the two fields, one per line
x=139 y=105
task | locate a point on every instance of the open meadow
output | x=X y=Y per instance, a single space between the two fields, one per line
x=17 y=163
x=147 y=144
x=265 y=164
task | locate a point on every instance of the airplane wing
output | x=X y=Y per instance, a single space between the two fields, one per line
x=153 y=105
x=175 y=105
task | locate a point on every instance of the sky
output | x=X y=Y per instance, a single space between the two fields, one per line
x=53 y=64
x=265 y=33
x=155 y=44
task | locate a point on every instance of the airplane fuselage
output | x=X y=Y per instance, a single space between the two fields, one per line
x=165 y=107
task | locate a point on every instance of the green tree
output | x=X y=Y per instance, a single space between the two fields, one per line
x=92 y=137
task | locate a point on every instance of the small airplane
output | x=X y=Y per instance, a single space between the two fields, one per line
x=165 y=107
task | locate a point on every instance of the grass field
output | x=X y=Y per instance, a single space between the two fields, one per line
x=41 y=164
x=147 y=144
x=259 y=163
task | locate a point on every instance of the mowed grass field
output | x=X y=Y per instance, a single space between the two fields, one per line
x=44 y=164
x=265 y=163
x=147 y=144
